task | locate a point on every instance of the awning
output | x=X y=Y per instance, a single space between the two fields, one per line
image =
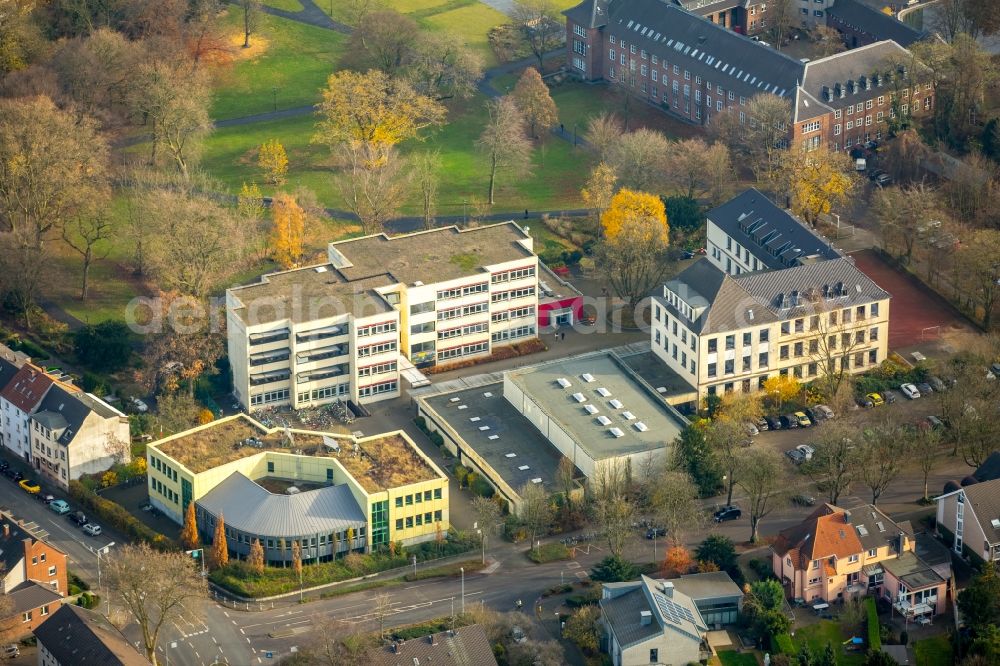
x=411 y=374
x=872 y=570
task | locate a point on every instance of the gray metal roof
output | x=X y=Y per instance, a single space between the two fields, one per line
x=990 y=469
x=250 y=508
x=589 y=13
x=985 y=499
x=709 y=585
x=718 y=55
x=62 y=410
x=913 y=571
x=77 y=636
x=30 y=595
x=869 y=20
x=671 y=608
x=753 y=221
x=877 y=530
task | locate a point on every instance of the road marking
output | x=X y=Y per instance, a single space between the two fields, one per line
x=214 y=640
x=573 y=565
x=248 y=641
x=241 y=630
x=581 y=574
x=226 y=613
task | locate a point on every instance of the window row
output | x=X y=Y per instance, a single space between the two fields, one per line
x=516 y=313
x=268 y=397
x=513 y=294
x=514 y=333
x=376 y=329
x=420 y=519
x=377 y=369
x=381 y=348
x=417 y=498
x=513 y=274
x=467 y=290
x=459 y=331
x=464 y=350
x=465 y=311
x=376 y=389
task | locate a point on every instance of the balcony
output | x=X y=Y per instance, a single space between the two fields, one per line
x=321 y=334
x=269 y=357
x=269 y=377
x=267 y=338
x=320 y=374
x=321 y=354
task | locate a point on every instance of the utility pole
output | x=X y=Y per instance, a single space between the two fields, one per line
x=462 y=569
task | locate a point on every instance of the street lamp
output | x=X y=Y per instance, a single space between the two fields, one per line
x=274 y=95
x=462 y=569
x=101 y=551
x=574 y=134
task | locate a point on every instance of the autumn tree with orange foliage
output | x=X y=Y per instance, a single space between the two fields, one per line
x=189 y=534
x=534 y=101
x=287 y=230
x=677 y=562
x=256 y=558
x=219 y=554
x=633 y=253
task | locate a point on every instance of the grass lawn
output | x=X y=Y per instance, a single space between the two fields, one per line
x=293 y=58
x=468 y=20
x=934 y=651
x=555 y=180
x=731 y=658
x=287 y=5
x=828 y=631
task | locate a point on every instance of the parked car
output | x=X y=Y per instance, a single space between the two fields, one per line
x=889 y=396
x=79 y=517
x=138 y=405
x=45 y=498
x=92 y=529
x=10 y=651
x=884 y=180
x=875 y=400
x=789 y=421
x=804 y=500
x=924 y=388
x=59 y=506
x=656 y=532
x=773 y=422
x=910 y=391
x=16 y=475
x=751 y=429
x=29 y=486
x=4 y=465
x=936 y=383
x=824 y=412
x=727 y=513
x=761 y=424
x=796 y=456
x=934 y=422
x=865 y=401
x=802 y=419
x=807 y=449
x=995 y=369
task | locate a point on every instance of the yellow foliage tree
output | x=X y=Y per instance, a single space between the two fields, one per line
x=374 y=109
x=297 y=558
x=350 y=538
x=109 y=479
x=782 y=388
x=629 y=209
x=534 y=101
x=205 y=416
x=220 y=548
x=273 y=161
x=138 y=466
x=817 y=180
x=256 y=558
x=189 y=534
x=600 y=188
x=287 y=230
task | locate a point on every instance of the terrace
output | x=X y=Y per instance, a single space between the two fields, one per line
x=377 y=463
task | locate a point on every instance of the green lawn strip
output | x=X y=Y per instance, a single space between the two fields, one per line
x=549 y=552
x=731 y=658
x=933 y=651
x=828 y=631
x=451 y=570
x=553 y=181
x=289 y=73
x=360 y=587
x=287 y=5
x=469 y=24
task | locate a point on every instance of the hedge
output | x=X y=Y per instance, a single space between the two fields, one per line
x=116 y=516
x=782 y=644
x=874 y=632
x=549 y=552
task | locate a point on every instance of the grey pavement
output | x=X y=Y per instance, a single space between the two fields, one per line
x=310 y=14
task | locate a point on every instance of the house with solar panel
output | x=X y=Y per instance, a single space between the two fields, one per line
x=650 y=621
x=770 y=298
x=332 y=493
x=686 y=61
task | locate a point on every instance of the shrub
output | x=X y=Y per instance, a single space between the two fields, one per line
x=105 y=347
x=92 y=383
x=482 y=487
x=436 y=438
x=588 y=598
x=558 y=589
x=613 y=569
x=874 y=635
x=782 y=644
x=761 y=567
x=88 y=600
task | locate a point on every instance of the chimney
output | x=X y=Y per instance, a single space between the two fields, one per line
x=668 y=589
x=645 y=618
x=433 y=639
x=6 y=531
x=847 y=517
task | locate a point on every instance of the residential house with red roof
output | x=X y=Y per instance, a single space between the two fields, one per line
x=19 y=398
x=34 y=575
x=836 y=554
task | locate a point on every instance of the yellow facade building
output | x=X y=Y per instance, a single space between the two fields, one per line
x=333 y=493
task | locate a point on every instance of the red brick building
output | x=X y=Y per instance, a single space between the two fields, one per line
x=694 y=69
x=34 y=574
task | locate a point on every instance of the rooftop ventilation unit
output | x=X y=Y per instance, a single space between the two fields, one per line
x=563 y=382
x=603 y=392
x=579 y=397
x=454 y=400
x=617 y=404
x=483 y=428
x=524 y=468
x=995 y=523
x=320 y=269
x=587 y=377
x=493 y=437
x=640 y=426
x=881 y=526
x=488 y=395
x=862 y=530
x=616 y=432
x=603 y=420
x=510 y=455
x=590 y=409
x=536 y=480
x=474 y=419
x=628 y=415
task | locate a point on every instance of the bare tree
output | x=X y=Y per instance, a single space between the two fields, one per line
x=381 y=609
x=725 y=437
x=927 y=453
x=762 y=479
x=488 y=516
x=251 y=10
x=640 y=159
x=901 y=212
x=426 y=167
x=566 y=478
x=674 y=505
x=536 y=510
x=603 y=132
x=781 y=16
x=336 y=643
x=537 y=653
x=615 y=516
x=540 y=24
x=86 y=234
x=22 y=268
x=442 y=67
x=696 y=168
x=834 y=462
x=883 y=451
x=373 y=183
x=768 y=118
x=157 y=588
x=383 y=40
x=832 y=344
x=504 y=141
